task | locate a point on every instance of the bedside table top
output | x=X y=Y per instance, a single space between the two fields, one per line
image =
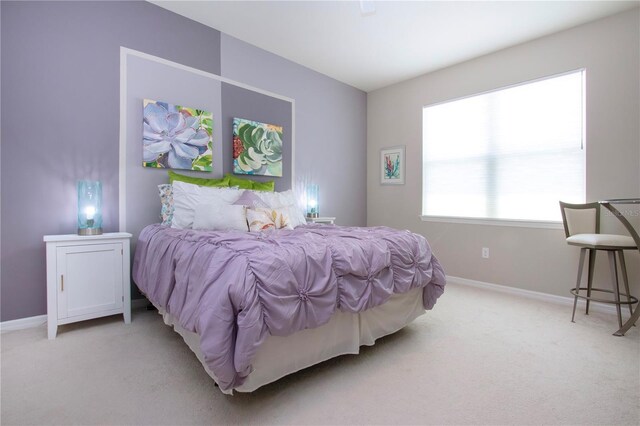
x=76 y=237
x=321 y=219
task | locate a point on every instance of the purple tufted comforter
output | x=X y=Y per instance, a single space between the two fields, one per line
x=236 y=288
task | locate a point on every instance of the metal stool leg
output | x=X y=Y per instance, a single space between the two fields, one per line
x=625 y=279
x=583 y=251
x=592 y=262
x=614 y=283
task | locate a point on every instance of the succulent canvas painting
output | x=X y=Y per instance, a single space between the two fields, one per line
x=257 y=148
x=176 y=137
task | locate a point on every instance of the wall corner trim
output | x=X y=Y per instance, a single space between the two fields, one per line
x=536 y=295
x=125 y=52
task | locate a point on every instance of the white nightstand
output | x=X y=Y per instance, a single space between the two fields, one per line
x=330 y=220
x=87 y=277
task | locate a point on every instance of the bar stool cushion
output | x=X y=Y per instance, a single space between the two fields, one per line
x=601 y=240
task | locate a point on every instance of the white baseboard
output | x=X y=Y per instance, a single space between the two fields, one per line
x=29 y=322
x=544 y=297
x=22 y=323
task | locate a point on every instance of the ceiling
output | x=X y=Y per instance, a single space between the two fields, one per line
x=400 y=40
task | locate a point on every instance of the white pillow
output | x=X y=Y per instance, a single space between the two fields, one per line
x=284 y=200
x=220 y=217
x=187 y=196
x=296 y=216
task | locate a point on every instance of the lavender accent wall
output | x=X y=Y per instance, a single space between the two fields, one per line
x=242 y=103
x=60 y=123
x=147 y=78
x=331 y=121
x=60 y=102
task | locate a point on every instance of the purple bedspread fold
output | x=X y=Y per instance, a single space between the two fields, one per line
x=236 y=288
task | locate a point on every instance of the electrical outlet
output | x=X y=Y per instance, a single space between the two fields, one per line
x=485 y=252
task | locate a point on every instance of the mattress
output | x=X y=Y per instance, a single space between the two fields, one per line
x=345 y=332
x=237 y=290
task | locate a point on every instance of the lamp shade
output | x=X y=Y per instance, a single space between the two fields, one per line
x=89 y=207
x=313 y=207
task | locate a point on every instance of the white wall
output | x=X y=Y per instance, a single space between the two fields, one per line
x=532 y=259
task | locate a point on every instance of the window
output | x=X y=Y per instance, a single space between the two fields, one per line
x=508 y=154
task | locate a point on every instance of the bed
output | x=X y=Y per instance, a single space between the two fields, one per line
x=256 y=306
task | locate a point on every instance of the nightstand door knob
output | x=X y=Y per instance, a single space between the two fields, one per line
x=61 y=282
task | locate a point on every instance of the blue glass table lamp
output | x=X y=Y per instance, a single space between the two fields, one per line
x=89 y=207
x=312 y=201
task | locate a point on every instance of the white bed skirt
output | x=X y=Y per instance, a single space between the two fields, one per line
x=343 y=334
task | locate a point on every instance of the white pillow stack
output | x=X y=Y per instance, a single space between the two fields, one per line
x=187 y=197
x=220 y=217
x=201 y=207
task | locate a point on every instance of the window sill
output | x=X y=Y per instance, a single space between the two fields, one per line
x=540 y=224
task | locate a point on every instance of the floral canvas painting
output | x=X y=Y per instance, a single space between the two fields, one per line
x=176 y=137
x=257 y=148
x=392 y=166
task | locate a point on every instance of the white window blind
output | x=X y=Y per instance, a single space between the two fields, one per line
x=508 y=154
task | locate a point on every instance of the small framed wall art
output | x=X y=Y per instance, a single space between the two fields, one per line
x=392 y=166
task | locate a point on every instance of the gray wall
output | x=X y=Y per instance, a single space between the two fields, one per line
x=532 y=259
x=60 y=122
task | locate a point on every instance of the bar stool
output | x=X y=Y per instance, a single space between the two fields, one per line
x=582 y=229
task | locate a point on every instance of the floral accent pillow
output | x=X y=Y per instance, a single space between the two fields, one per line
x=286 y=199
x=166 y=199
x=262 y=219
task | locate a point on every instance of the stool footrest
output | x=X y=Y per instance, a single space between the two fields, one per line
x=631 y=300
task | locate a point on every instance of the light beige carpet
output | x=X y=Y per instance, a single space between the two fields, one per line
x=478 y=358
